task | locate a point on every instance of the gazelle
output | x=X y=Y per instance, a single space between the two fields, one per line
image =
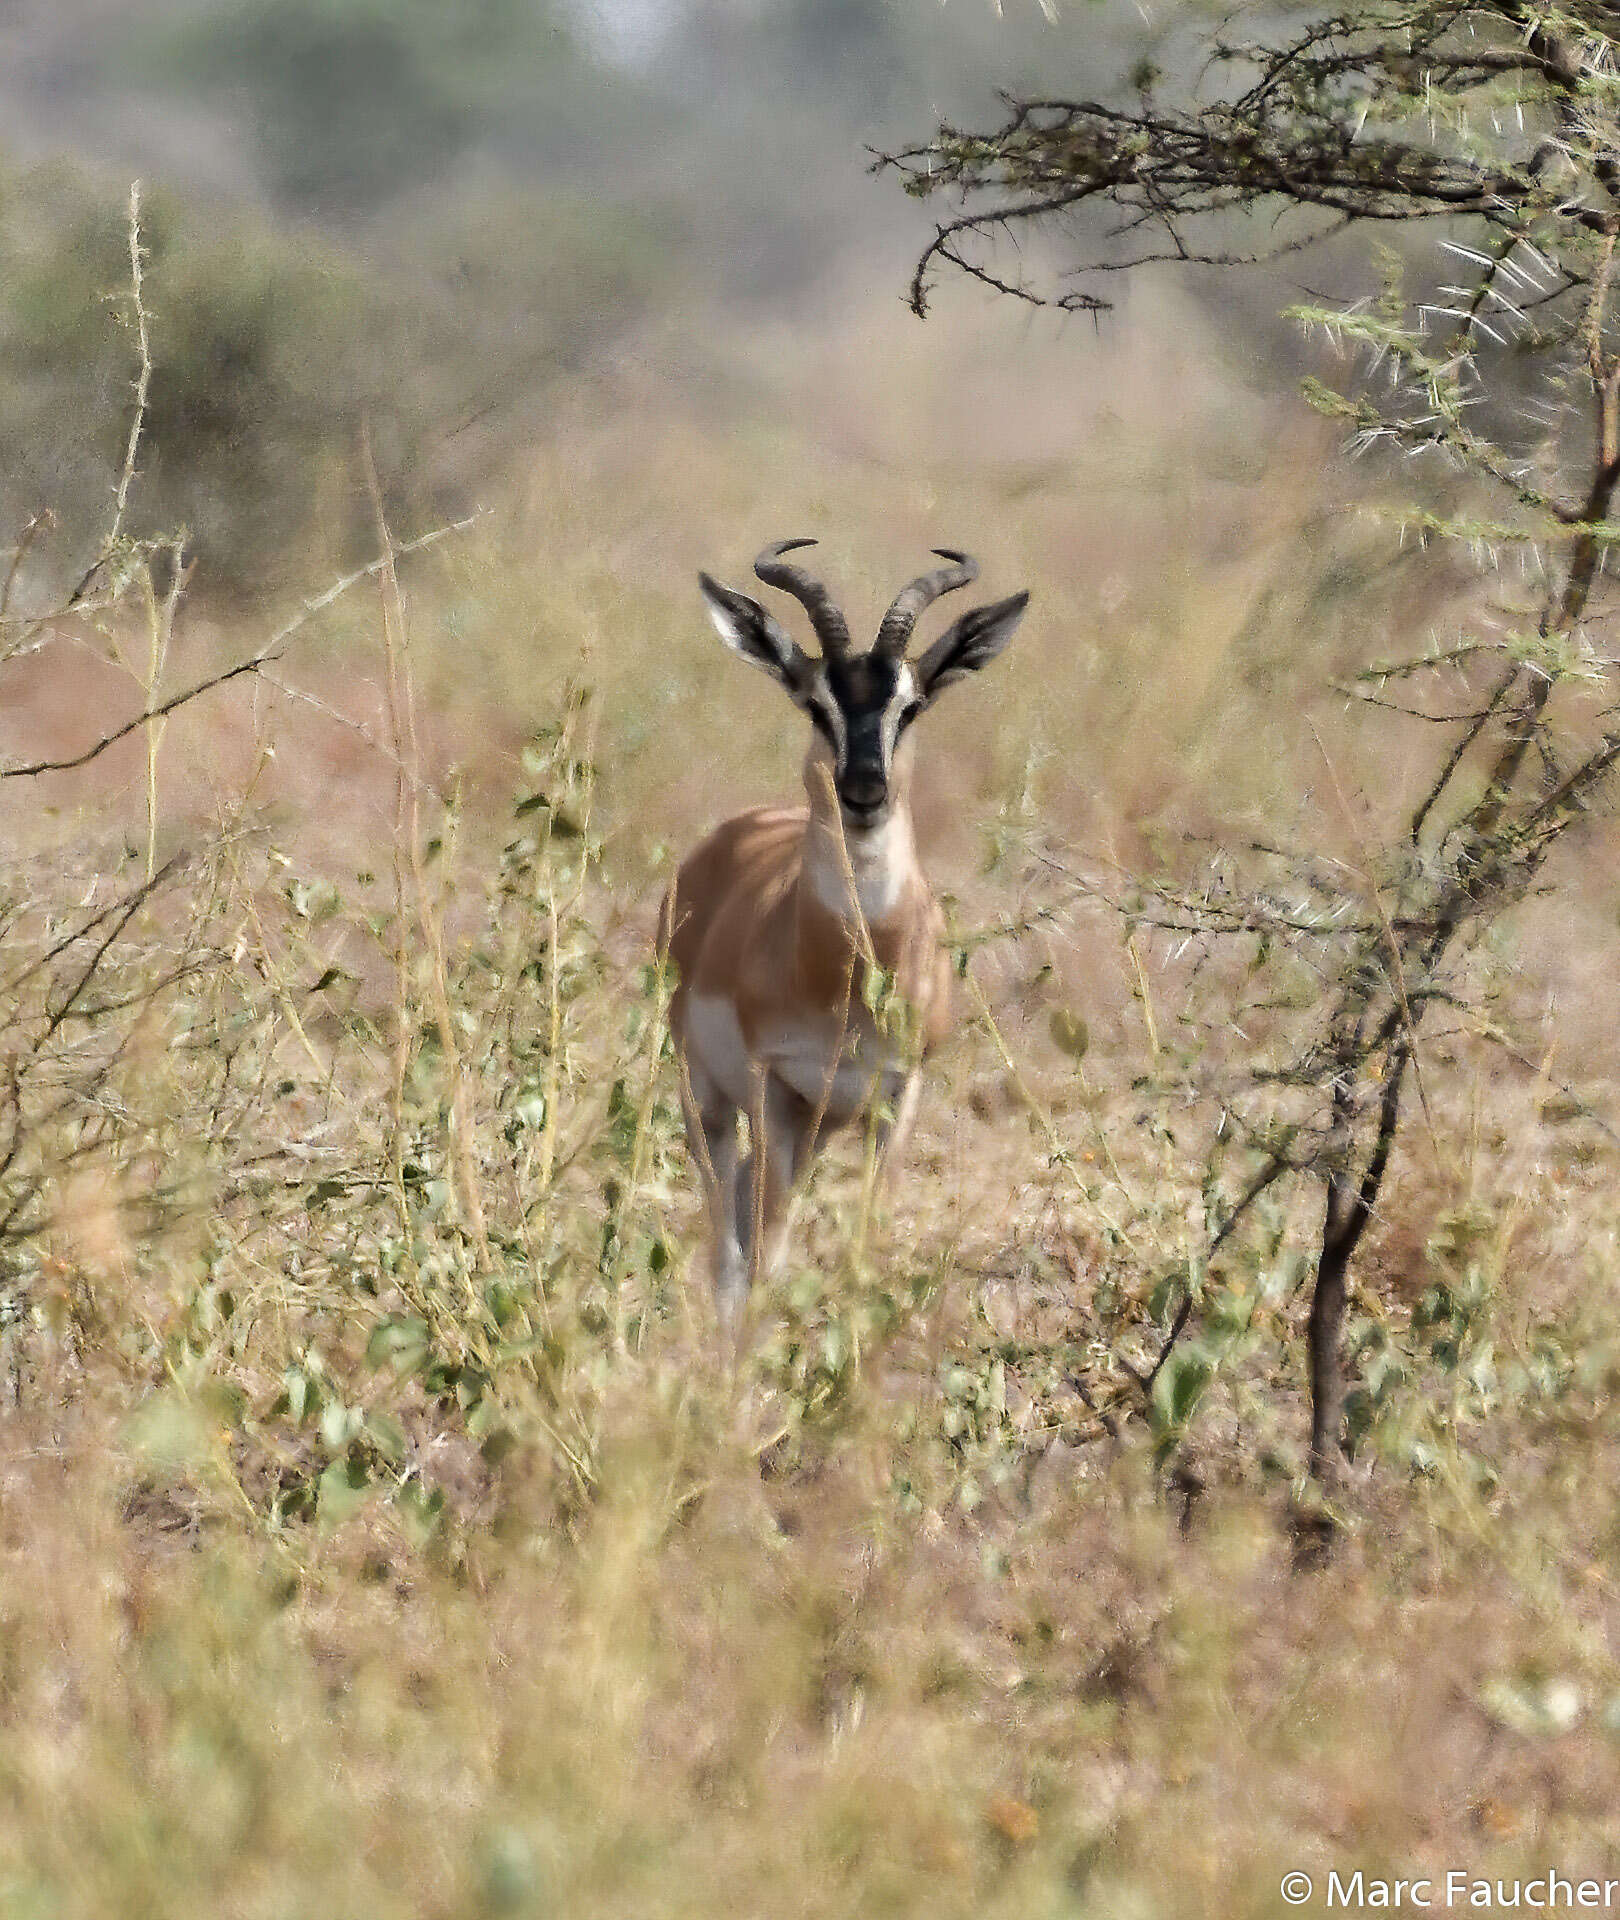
x=777 y=921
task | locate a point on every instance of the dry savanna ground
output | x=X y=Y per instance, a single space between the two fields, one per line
x=385 y=1527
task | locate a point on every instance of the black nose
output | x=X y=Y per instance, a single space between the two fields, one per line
x=863 y=790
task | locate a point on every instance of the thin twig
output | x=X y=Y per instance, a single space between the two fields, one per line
x=271 y=650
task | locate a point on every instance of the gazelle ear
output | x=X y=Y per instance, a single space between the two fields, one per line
x=968 y=644
x=758 y=636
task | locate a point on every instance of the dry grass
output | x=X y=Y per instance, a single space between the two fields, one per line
x=341 y=1574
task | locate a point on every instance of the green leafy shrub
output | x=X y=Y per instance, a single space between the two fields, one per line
x=269 y=351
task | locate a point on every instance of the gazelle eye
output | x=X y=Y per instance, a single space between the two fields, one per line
x=908 y=713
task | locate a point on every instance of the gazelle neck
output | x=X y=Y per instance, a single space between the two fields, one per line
x=858 y=874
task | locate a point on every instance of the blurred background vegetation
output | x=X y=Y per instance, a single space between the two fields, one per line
x=429 y=216
x=619 y=272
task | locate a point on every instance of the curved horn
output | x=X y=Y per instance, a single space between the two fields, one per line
x=895 y=631
x=831 y=628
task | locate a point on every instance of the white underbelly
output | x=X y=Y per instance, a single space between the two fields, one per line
x=837 y=1073
x=840 y=1076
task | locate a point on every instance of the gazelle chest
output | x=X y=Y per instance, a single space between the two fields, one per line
x=862 y=878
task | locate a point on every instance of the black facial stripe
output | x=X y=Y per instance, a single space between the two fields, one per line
x=869 y=716
x=874 y=701
x=863 y=685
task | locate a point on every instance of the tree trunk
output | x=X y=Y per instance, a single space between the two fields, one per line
x=1327 y=1319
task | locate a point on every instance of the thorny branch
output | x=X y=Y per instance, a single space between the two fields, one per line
x=1356 y=119
x=1500 y=121
x=271 y=650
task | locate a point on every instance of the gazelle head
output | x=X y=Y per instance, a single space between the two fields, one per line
x=861 y=704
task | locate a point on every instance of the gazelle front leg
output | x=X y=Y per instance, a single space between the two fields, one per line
x=711 y=1134
x=781 y=1137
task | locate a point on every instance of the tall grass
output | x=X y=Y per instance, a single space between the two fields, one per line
x=385 y=1526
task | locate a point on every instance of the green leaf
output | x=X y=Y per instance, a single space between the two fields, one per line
x=400 y=1342
x=339 y=1424
x=301 y=1393
x=1070 y=1034
x=341 y=1491
x=386 y=1434
x=1179 y=1388
x=420 y=1512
